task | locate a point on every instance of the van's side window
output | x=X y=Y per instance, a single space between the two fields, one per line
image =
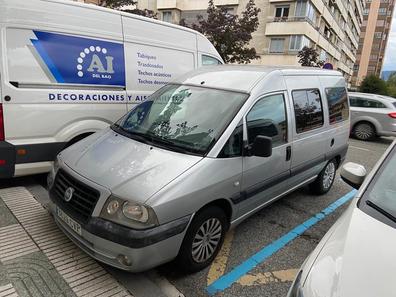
x=268 y=118
x=308 y=110
x=367 y=103
x=207 y=60
x=337 y=100
x=233 y=147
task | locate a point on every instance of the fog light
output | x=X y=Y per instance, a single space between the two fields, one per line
x=112 y=207
x=124 y=260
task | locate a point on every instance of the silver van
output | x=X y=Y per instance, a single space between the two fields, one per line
x=198 y=157
x=372 y=115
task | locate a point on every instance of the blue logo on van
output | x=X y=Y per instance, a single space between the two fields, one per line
x=78 y=60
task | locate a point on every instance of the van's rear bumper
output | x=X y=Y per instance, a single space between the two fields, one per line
x=32 y=154
x=7 y=159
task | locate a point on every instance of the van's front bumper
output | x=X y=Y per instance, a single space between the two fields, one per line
x=117 y=245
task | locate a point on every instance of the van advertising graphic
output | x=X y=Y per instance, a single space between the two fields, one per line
x=77 y=60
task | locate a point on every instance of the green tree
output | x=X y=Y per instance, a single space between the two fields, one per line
x=391 y=85
x=120 y=4
x=373 y=84
x=309 y=57
x=229 y=33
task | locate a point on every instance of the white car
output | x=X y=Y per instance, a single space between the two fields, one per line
x=356 y=258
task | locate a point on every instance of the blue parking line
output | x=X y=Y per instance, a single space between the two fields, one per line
x=228 y=279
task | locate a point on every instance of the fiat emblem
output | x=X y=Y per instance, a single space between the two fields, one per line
x=68 y=194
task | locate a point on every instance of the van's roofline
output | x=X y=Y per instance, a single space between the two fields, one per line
x=125 y=14
x=229 y=77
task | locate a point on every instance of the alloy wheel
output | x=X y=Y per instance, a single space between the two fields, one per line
x=206 y=240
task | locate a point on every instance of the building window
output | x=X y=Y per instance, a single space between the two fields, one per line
x=277 y=45
x=378 y=35
x=167 y=16
x=337 y=100
x=297 y=42
x=305 y=9
x=282 y=13
x=366 y=11
x=308 y=110
x=382 y=11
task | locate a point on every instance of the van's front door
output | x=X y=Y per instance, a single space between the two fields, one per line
x=265 y=178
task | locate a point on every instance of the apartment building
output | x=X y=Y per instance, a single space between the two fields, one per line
x=331 y=26
x=373 y=39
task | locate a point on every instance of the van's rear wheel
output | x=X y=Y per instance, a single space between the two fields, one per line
x=364 y=131
x=325 y=179
x=203 y=239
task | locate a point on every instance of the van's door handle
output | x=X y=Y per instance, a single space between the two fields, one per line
x=288 y=153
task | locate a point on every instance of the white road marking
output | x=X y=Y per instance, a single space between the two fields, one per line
x=359 y=148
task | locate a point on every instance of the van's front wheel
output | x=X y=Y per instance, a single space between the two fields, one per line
x=325 y=179
x=203 y=240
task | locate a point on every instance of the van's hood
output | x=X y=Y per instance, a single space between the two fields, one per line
x=128 y=168
x=357 y=260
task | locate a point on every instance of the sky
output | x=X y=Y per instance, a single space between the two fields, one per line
x=390 y=54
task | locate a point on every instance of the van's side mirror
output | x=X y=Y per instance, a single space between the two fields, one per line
x=353 y=174
x=262 y=146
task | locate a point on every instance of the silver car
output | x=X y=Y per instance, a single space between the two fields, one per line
x=198 y=157
x=372 y=115
x=356 y=257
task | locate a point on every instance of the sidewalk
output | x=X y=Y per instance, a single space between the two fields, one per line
x=37 y=259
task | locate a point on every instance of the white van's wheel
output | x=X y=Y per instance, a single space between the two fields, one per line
x=325 y=179
x=364 y=131
x=203 y=239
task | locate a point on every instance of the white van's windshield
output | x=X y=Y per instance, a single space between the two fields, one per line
x=182 y=118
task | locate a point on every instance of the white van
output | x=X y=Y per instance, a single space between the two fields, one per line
x=69 y=69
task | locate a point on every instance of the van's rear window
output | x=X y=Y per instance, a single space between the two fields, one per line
x=337 y=100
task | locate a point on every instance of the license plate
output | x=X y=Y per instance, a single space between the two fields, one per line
x=76 y=227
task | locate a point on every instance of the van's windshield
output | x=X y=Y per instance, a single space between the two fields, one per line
x=182 y=118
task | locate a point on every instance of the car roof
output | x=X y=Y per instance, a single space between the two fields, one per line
x=372 y=96
x=244 y=78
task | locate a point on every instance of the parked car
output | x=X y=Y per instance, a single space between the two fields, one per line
x=69 y=69
x=372 y=115
x=356 y=256
x=198 y=157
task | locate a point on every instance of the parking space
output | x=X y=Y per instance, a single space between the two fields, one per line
x=260 y=257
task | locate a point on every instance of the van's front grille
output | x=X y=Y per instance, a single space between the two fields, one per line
x=83 y=201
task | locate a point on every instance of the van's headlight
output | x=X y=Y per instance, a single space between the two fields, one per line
x=130 y=214
x=296 y=290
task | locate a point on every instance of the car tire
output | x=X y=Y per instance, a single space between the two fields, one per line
x=203 y=239
x=325 y=179
x=364 y=131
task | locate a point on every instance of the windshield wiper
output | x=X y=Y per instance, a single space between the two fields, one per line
x=381 y=210
x=171 y=144
x=135 y=135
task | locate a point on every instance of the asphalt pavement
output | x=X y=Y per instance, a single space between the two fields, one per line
x=273 y=273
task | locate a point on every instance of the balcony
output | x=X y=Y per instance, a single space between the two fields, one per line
x=192 y=5
x=301 y=26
